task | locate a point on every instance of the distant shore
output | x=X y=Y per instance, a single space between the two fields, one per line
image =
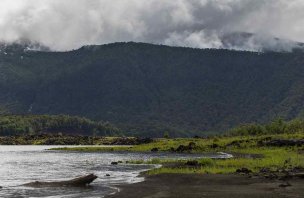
x=66 y=139
x=210 y=185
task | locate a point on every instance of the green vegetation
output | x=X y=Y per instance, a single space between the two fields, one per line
x=278 y=126
x=36 y=124
x=166 y=135
x=273 y=158
x=148 y=89
x=251 y=149
x=241 y=147
x=242 y=144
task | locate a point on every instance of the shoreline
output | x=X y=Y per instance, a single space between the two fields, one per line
x=209 y=185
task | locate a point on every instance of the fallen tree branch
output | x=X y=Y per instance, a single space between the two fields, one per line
x=77 y=182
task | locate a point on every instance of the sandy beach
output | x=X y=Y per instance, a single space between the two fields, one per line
x=213 y=186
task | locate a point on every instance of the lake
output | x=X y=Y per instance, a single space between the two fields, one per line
x=23 y=164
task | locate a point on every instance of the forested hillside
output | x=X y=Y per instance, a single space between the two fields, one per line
x=149 y=89
x=42 y=124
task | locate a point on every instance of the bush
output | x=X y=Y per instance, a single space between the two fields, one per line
x=248 y=129
x=207 y=162
x=277 y=126
x=166 y=135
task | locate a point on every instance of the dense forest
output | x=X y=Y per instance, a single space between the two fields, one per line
x=60 y=124
x=149 y=89
x=277 y=126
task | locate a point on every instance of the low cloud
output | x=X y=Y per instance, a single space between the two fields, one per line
x=70 y=24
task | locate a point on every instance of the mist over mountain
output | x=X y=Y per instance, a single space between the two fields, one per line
x=240 y=41
x=22 y=46
x=258 y=43
x=147 y=89
x=70 y=24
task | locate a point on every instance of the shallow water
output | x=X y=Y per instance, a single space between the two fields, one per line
x=23 y=164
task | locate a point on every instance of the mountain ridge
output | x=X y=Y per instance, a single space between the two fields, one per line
x=148 y=89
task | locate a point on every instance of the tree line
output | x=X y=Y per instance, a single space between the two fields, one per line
x=277 y=126
x=37 y=124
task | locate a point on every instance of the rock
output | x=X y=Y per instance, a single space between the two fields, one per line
x=214 y=146
x=130 y=141
x=191 y=145
x=144 y=140
x=299 y=175
x=234 y=143
x=264 y=170
x=172 y=149
x=192 y=163
x=287 y=184
x=183 y=148
x=297 y=169
x=282 y=174
x=271 y=176
x=154 y=150
x=281 y=143
x=114 y=163
x=243 y=171
x=108 y=175
x=123 y=141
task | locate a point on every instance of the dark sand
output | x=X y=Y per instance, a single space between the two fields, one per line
x=215 y=186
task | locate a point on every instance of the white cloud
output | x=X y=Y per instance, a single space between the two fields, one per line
x=69 y=24
x=199 y=39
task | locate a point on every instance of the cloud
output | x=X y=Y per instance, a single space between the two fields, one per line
x=70 y=24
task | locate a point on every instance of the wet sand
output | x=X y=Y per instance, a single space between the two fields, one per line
x=213 y=186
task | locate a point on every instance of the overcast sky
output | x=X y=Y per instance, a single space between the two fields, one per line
x=69 y=24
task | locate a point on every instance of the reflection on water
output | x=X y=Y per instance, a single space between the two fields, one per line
x=22 y=164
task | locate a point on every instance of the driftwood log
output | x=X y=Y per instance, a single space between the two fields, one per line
x=77 y=182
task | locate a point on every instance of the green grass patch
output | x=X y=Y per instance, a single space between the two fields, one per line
x=274 y=158
x=269 y=157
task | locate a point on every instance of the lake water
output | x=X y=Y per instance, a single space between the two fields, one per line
x=23 y=164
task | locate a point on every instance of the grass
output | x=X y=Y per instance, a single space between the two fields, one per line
x=272 y=157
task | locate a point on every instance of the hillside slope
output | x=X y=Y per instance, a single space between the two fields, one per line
x=149 y=89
